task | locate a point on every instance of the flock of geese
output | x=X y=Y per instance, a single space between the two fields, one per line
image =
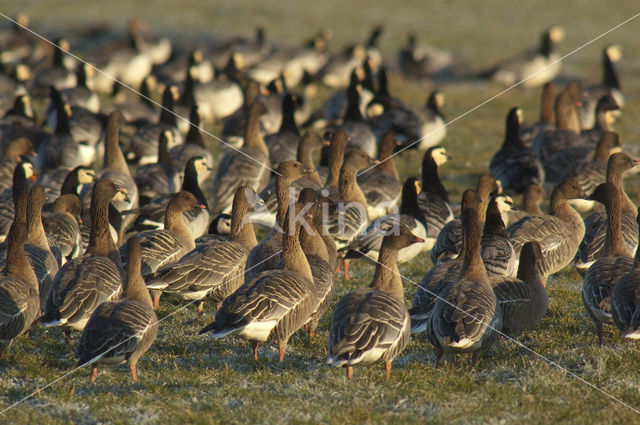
x=111 y=200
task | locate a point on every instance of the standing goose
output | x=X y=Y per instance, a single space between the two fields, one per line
x=247 y=167
x=337 y=147
x=120 y=331
x=615 y=262
x=558 y=233
x=360 y=134
x=515 y=165
x=532 y=197
x=273 y=305
x=368 y=243
x=11 y=158
x=62 y=225
x=373 y=323
x=83 y=283
x=214 y=269
x=283 y=144
x=23 y=171
x=593 y=242
x=81 y=95
x=606 y=111
x=193 y=146
x=381 y=185
x=61 y=181
x=523 y=300
x=433 y=200
x=529 y=131
x=497 y=253
x=267 y=254
x=352 y=217
x=159 y=178
x=466 y=317
x=449 y=239
x=420 y=60
x=19 y=298
x=56 y=75
x=625 y=302
x=567 y=131
x=234 y=125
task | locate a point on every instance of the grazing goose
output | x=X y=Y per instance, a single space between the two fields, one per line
x=624 y=301
x=433 y=201
x=523 y=300
x=274 y=304
x=62 y=225
x=532 y=197
x=352 y=217
x=159 y=178
x=449 y=239
x=614 y=263
x=423 y=60
x=283 y=144
x=166 y=246
x=120 y=331
x=610 y=84
x=142 y=145
x=62 y=181
x=593 y=242
x=19 y=297
x=84 y=283
x=310 y=142
x=248 y=166
x=10 y=160
x=566 y=133
x=529 y=131
x=381 y=185
x=558 y=234
x=23 y=171
x=267 y=254
x=466 y=316
x=368 y=243
x=373 y=323
x=532 y=68
x=360 y=134
x=193 y=146
x=215 y=268
x=515 y=165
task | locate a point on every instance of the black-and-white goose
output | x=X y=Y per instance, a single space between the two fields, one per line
x=433 y=200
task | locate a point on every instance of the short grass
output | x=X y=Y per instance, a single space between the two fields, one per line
x=187 y=378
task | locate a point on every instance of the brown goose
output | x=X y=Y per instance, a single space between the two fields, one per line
x=532 y=197
x=528 y=131
x=275 y=304
x=615 y=262
x=331 y=173
x=523 y=300
x=558 y=234
x=466 y=316
x=596 y=224
x=215 y=268
x=567 y=131
x=373 y=323
x=248 y=166
x=625 y=301
x=120 y=331
x=83 y=283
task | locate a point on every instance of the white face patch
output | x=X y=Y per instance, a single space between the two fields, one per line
x=201 y=166
x=614 y=52
x=440 y=156
x=28 y=170
x=121 y=196
x=86 y=176
x=505 y=203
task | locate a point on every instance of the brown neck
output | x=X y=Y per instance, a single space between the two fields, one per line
x=531 y=206
x=336 y=158
x=559 y=207
x=472 y=266
x=602 y=152
x=18 y=265
x=113 y=158
x=567 y=115
x=241 y=227
x=163 y=151
x=311 y=241
x=387 y=277
x=252 y=136
x=614 y=242
x=528 y=271
x=174 y=221
x=304 y=155
x=36 y=232
x=293 y=257
x=135 y=288
x=282 y=194
x=615 y=177
x=348 y=185
x=387 y=164
x=547 y=115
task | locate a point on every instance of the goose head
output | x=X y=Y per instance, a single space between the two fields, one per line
x=294 y=170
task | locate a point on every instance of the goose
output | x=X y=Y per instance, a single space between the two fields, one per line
x=266 y=255
x=61 y=181
x=373 y=323
x=23 y=171
x=433 y=200
x=120 y=331
x=567 y=131
x=57 y=74
x=369 y=241
x=595 y=225
x=515 y=165
x=234 y=124
x=142 y=145
x=159 y=178
x=624 y=302
x=11 y=158
x=172 y=71
x=360 y=134
x=381 y=185
x=85 y=282
x=274 y=304
x=605 y=113
x=529 y=131
x=337 y=147
x=575 y=162
x=611 y=55
x=17 y=42
x=19 y=121
x=61 y=225
x=558 y=233
x=466 y=316
x=219 y=97
x=138 y=111
x=449 y=239
x=522 y=300
x=193 y=146
x=19 y=297
x=615 y=262
x=81 y=95
x=352 y=217
x=497 y=253
x=213 y=269
x=422 y=60
x=532 y=197
x=309 y=143
x=532 y=68
x=248 y=166
x=338 y=72
x=283 y=144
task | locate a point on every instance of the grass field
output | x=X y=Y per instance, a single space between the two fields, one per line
x=187 y=378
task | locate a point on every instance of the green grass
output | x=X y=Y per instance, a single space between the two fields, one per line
x=187 y=378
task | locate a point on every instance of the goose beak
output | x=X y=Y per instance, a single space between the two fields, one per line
x=416 y=239
x=374 y=161
x=308 y=170
x=124 y=195
x=326 y=143
x=201 y=206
